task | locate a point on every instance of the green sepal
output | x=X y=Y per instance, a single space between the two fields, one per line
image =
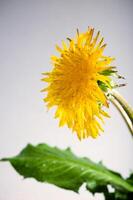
x=102 y=86
x=108 y=72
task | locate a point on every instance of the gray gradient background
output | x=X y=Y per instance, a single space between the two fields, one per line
x=29 y=29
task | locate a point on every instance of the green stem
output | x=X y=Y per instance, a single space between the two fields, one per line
x=124 y=108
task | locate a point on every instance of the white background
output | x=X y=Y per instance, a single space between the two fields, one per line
x=29 y=30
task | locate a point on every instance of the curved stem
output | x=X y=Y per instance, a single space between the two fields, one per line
x=124 y=104
x=124 y=108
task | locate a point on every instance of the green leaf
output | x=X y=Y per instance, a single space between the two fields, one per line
x=62 y=168
x=130 y=179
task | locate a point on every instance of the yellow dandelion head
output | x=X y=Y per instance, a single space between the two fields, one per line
x=78 y=83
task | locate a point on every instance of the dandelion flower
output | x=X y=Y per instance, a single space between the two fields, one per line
x=78 y=83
